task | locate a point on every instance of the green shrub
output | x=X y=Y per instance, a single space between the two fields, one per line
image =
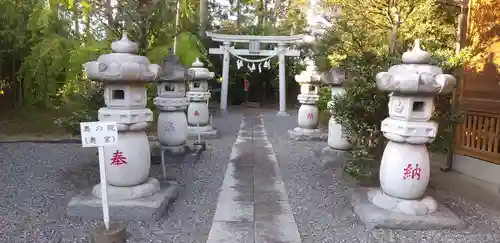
x=80 y=106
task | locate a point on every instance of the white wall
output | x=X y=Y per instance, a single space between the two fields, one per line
x=477 y=168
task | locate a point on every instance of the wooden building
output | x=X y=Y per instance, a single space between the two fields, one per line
x=478 y=137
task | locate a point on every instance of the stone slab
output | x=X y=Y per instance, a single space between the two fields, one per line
x=234 y=211
x=375 y=217
x=264 y=149
x=263 y=196
x=149 y=208
x=237 y=193
x=243 y=149
x=250 y=134
x=231 y=232
x=273 y=211
x=276 y=231
x=239 y=176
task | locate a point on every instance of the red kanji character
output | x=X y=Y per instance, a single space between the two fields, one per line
x=407 y=171
x=310 y=116
x=196 y=113
x=416 y=172
x=118 y=158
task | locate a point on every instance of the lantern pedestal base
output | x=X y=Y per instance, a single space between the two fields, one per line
x=205 y=132
x=175 y=150
x=377 y=217
x=331 y=156
x=116 y=193
x=423 y=206
x=149 y=208
x=304 y=134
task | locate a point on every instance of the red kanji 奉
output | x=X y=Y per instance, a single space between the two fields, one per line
x=118 y=158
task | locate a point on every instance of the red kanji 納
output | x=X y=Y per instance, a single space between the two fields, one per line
x=310 y=116
x=118 y=158
x=409 y=171
x=196 y=113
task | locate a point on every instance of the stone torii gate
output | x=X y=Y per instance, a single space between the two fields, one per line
x=254 y=50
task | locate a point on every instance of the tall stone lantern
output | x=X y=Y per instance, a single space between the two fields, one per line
x=337 y=142
x=171 y=100
x=197 y=113
x=308 y=119
x=132 y=194
x=405 y=167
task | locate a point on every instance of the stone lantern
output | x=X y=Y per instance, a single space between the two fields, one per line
x=197 y=113
x=405 y=167
x=171 y=101
x=308 y=121
x=337 y=142
x=125 y=76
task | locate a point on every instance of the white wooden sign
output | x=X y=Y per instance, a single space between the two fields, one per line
x=97 y=134
x=100 y=134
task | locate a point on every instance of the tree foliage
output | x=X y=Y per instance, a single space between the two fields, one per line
x=44 y=44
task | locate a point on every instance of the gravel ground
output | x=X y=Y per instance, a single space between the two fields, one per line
x=38 y=180
x=319 y=198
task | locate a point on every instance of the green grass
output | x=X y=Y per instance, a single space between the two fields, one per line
x=29 y=125
x=37 y=125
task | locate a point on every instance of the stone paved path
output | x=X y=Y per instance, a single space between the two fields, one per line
x=253 y=204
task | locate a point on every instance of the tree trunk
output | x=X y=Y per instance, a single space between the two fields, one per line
x=277 y=12
x=238 y=15
x=462 y=25
x=108 y=12
x=203 y=15
x=76 y=18
x=86 y=19
x=262 y=14
x=393 y=38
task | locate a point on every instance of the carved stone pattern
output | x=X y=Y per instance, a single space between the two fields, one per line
x=399 y=107
x=125 y=116
x=308 y=98
x=171 y=104
x=198 y=96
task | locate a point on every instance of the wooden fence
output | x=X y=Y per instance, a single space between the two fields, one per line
x=479 y=136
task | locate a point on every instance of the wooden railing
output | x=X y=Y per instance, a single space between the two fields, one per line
x=479 y=136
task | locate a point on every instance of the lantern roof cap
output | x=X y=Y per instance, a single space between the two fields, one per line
x=415 y=76
x=200 y=72
x=123 y=65
x=310 y=75
x=416 y=55
x=124 y=45
x=173 y=70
